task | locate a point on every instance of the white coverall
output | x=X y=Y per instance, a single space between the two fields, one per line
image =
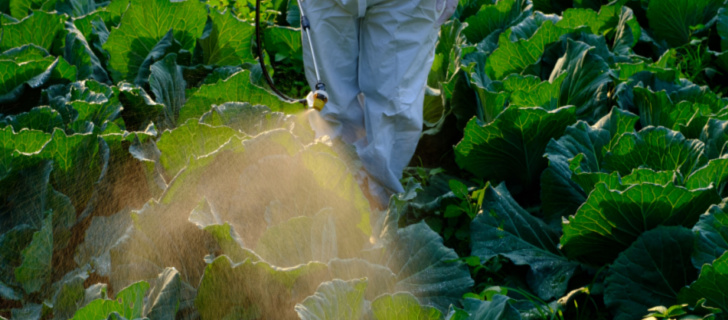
x=384 y=50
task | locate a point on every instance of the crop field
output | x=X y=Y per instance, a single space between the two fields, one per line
x=573 y=165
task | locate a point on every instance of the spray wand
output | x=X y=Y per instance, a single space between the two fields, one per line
x=319 y=96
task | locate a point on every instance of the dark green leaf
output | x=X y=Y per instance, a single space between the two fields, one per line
x=560 y=194
x=102 y=234
x=714 y=174
x=511 y=147
x=515 y=57
x=712 y=236
x=163 y=299
x=236 y=88
x=650 y=272
x=139 y=108
x=77 y=165
x=648 y=147
x=79 y=53
x=612 y=220
x=504 y=228
x=424 y=266
x=494 y=17
x=285 y=42
x=39 y=118
x=26 y=31
x=671 y=20
x=497 y=309
x=229 y=41
x=168 y=86
x=587 y=82
x=76 y=8
x=715 y=137
x=15 y=77
x=710 y=285
x=35 y=272
x=144 y=24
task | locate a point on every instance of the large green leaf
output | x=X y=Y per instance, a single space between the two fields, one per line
x=711 y=233
x=27 y=198
x=611 y=220
x=511 y=147
x=650 y=272
x=41 y=118
x=236 y=88
x=402 y=306
x=16 y=76
x=129 y=304
x=69 y=293
x=648 y=147
x=379 y=278
x=229 y=41
x=26 y=52
x=76 y=8
x=587 y=81
x=77 y=165
x=710 y=285
x=425 y=267
x=671 y=20
x=163 y=299
x=139 y=108
x=499 y=308
x=153 y=243
x=715 y=137
x=247 y=118
x=505 y=229
x=300 y=240
x=336 y=299
x=191 y=139
x=144 y=24
x=168 y=86
x=543 y=94
x=26 y=31
x=12 y=144
x=284 y=43
x=78 y=51
x=35 y=271
x=217 y=299
x=714 y=174
x=494 y=17
x=11 y=243
x=101 y=235
x=657 y=109
x=515 y=57
x=560 y=195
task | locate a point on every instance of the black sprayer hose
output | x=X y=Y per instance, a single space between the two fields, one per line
x=262 y=60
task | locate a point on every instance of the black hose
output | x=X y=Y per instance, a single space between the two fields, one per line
x=262 y=60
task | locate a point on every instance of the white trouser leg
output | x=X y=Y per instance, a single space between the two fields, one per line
x=383 y=48
x=335 y=38
x=396 y=52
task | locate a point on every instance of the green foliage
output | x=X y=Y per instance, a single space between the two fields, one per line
x=138 y=149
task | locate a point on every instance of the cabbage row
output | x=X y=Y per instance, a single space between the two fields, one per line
x=573 y=166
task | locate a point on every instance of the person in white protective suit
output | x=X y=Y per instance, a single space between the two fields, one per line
x=376 y=55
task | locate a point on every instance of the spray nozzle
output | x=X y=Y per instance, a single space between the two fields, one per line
x=319 y=97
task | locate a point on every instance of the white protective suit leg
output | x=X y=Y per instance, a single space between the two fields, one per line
x=389 y=45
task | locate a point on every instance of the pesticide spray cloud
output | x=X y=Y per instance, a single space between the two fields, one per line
x=274 y=196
